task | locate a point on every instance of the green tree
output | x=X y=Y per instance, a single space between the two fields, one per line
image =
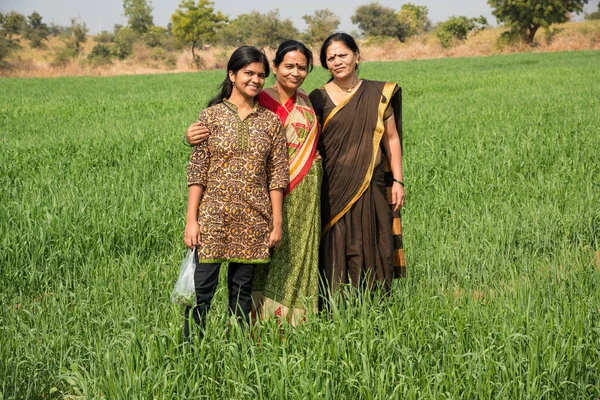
x=56 y=30
x=154 y=36
x=320 y=25
x=458 y=28
x=261 y=30
x=139 y=15
x=525 y=17
x=7 y=44
x=237 y=31
x=414 y=18
x=197 y=24
x=36 y=30
x=376 y=20
x=14 y=23
x=125 y=37
x=100 y=55
x=104 y=37
x=77 y=34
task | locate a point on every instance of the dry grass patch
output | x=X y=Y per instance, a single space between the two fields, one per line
x=38 y=62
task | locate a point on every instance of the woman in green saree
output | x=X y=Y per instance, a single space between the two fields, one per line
x=363 y=187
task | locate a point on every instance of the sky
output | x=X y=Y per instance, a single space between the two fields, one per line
x=104 y=14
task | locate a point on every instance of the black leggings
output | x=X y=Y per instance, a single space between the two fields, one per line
x=239 y=284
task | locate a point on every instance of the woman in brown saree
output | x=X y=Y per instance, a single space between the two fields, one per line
x=363 y=187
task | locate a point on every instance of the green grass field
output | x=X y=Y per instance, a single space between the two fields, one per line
x=501 y=229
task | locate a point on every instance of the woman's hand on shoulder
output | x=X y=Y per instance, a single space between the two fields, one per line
x=196 y=133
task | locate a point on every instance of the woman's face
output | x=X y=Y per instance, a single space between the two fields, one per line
x=249 y=80
x=292 y=71
x=341 y=61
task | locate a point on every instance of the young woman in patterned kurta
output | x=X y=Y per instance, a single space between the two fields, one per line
x=289 y=285
x=236 y=180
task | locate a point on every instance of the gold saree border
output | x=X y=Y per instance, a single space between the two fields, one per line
x=338 y=107
x=386 y=93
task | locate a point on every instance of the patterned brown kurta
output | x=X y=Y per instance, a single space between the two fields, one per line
x=238 y=165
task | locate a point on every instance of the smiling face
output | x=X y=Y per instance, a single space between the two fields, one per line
x=292 y=71
x=341 y=60
x=248 y=81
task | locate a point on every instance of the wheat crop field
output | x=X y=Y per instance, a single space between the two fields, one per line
x=501 y=233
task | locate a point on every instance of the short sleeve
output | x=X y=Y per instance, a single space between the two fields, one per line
x=278 y=173
x=389 y=111
x=197 y=170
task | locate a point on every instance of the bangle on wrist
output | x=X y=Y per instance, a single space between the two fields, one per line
x=184 y=140
x=399 y=182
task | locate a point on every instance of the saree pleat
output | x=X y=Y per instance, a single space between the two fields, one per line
x=358 y=249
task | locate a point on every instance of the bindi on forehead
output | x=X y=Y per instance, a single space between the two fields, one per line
x=294 y=64
x=339 y=52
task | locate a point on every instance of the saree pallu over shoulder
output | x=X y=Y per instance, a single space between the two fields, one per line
x=386 y=95
x=350 y=141
x=302 y=131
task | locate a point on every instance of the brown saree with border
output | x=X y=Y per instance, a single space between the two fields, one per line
x=362 y=236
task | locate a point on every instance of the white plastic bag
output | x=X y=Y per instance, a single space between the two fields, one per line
x=184 y=292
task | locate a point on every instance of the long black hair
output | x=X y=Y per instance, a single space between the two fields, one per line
x=240 y=58
x=292 y=45
x=338 y=37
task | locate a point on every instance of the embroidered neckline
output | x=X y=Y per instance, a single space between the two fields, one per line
x=242 y=129
x=234 y=108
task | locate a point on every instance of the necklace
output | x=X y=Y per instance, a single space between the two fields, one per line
x=349 y=89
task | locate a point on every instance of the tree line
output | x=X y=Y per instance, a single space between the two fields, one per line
x=196 y=24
